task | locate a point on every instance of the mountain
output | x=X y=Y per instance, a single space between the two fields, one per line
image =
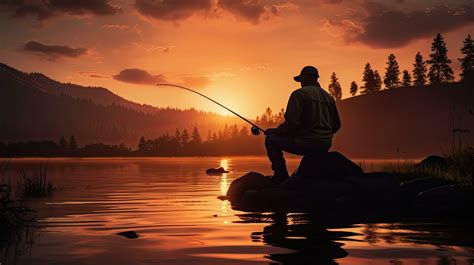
x=98 y=95
x=34 y=107
x=407 y=122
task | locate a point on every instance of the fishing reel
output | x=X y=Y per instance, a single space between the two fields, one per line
x=255 y=130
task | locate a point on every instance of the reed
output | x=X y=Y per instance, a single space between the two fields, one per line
x=37 y=184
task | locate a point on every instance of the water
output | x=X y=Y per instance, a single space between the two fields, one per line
x=173 y=206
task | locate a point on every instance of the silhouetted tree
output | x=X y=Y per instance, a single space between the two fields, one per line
x=63 y=144
x=392 y=72
x=440 y=71
x=353 y=89
x=72 y=144
x=467 y=62
x=184 y=137
x=419 y=70
x=377 y=81
x=368 y=79
x=195 y=136
x=406 y=79
x=335 y=87
x=142 y=144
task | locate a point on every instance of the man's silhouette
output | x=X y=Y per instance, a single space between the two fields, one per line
x=311 y=119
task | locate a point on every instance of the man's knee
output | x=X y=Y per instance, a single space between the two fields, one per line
x=270 y=141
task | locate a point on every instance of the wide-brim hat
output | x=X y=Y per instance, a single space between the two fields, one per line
x=308 y=72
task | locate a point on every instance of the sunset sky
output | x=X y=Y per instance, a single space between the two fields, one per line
x=242 y=53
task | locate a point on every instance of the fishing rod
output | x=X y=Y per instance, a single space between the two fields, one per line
x=255 y=129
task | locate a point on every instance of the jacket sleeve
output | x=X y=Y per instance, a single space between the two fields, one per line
x=292 y=115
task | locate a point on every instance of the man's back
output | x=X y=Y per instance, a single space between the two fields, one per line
x=311 y=113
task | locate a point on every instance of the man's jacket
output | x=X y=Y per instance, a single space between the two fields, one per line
x=311 y=114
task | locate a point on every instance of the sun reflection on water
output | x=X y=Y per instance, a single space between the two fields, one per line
x=224 y=186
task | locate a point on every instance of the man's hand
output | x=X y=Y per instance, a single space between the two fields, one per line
x=270 y=131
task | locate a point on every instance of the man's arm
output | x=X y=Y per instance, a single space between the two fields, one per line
x=292 y=115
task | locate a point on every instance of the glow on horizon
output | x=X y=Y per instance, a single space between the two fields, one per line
x=244 y=62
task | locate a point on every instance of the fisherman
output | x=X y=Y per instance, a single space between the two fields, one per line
x=311 y=120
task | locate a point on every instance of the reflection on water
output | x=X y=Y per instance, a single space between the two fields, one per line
x=172 y=205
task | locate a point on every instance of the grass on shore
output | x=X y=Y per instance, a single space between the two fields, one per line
x=460 y=169
x=16 y=219
x=37 y=184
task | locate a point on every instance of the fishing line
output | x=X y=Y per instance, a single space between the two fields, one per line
x=255 y=129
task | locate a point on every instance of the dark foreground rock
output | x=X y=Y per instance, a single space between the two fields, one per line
x=447 y=200
x=433 y=163
x=327 y=165
x=345 y=189
x=410 y=189
x=129 y=234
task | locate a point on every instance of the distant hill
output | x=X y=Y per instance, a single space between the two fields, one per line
x=416 y=121
x=98 y=95
x=407 y=122
x=35 y=107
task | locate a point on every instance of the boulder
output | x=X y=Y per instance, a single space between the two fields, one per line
x=327 y=165
x=447 y=200
x=315 y=190
x=377 y=187
x=411 y=188
x=250 y=181
x=129 y=234
x=433 y=162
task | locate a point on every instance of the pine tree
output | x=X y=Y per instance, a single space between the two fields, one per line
x=353 y=89
x=377 y=81
x=440 y=71
x=368 y=79
x=184 y=137
x=62 y=144
x=177 y=137
x=72 y=144
x=406 y=79
x=392 y=73
x=142 y=144
x=419 y=70
x=467 y=63
x=335 y=88
x=195 y=136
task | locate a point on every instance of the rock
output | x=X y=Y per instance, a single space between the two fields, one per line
x=129 y=234
x=250 y=181
x=327 y=165
x=377 y=187
x=411 y=188
x=447 y=200
x=216 y=171
x=223 y=198
x=433 y=162
x=317 y=190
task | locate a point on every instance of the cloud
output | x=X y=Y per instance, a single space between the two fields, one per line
x=196 y=81
x=172 y=10
x=385 y=27
x=252 y=11
x=139 y=76
x=91 y=74
x=54 y=52
x=122 y=27
x=44 y=9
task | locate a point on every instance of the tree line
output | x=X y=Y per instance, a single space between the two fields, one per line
x=436 y=70
x=232 y=140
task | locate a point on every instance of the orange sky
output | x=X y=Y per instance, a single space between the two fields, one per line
x=242 y=53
